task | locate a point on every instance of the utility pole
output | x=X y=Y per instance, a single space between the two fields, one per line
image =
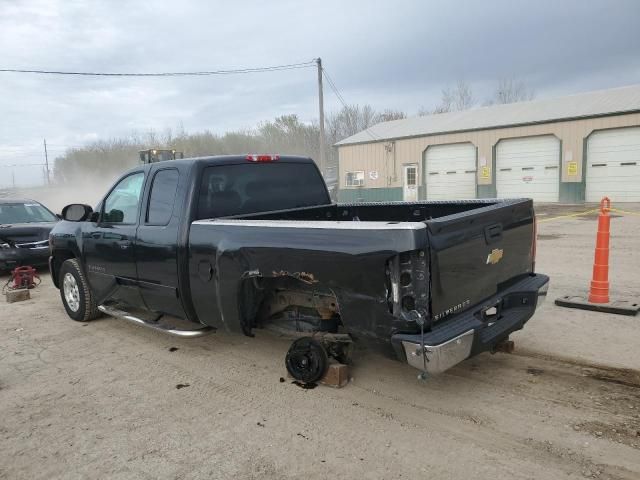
x=46 y=161
x=323 y=158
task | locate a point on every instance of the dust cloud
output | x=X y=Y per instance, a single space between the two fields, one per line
x=56 y=196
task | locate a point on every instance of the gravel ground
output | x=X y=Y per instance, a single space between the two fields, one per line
x=565 y=253
x=111 y=400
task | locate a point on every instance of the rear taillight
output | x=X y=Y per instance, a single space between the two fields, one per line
x=262 y=158
x=534 y=240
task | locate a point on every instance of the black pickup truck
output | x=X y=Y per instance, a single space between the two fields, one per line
x=243 y=243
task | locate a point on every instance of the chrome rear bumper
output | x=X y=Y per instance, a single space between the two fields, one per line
x=440 y=357
x=470 y=332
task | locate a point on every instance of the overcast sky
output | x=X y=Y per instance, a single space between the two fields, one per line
x=390 y=54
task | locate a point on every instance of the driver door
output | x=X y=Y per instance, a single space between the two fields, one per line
x=110 y=244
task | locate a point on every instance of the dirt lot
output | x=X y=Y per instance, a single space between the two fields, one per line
x=112 y=400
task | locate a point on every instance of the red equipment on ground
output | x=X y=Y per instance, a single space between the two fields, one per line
x=24 y=277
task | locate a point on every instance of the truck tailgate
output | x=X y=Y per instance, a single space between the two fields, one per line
x=475 y=253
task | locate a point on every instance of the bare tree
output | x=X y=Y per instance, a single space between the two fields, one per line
x=463 y=96
x=453 y=99
x=510 y=90
x=349 y=121
x=286 y=134
x=424 y=111
x=389 y=115
x=447 y=101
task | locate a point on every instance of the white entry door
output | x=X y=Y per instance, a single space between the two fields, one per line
x=410 y=188
x=613 y=165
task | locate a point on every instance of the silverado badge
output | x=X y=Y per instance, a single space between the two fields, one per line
x=495 y=256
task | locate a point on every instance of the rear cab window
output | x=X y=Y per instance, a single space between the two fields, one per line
x=162 y=197
x=239 y=189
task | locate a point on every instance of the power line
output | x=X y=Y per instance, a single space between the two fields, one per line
x=24 y=165
x=27 y=148
x=334 y=88
x=31 y=151
x=274 y=68
x=344 y=103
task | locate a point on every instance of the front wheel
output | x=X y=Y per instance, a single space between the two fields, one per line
x=75 y=292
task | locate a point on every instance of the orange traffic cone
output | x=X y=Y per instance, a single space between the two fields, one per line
x=598 y=297
x=599 y=292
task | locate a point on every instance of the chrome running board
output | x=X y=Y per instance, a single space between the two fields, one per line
x=117 y=313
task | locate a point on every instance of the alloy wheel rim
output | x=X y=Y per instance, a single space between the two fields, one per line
x=71 y=292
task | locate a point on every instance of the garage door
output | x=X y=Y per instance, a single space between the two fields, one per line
x=528 y=167
x=450 y=171
x=613 y=165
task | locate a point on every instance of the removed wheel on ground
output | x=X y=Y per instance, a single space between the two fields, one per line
x=307 y=360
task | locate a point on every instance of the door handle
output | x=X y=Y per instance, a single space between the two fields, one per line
x=124 y=244
x=493 y=233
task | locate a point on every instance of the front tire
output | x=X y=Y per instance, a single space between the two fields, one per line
x=75 y=292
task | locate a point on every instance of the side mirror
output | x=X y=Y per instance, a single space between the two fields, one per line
x=76 y=212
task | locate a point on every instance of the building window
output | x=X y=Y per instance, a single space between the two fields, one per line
x=412 y=176
x=354 y=179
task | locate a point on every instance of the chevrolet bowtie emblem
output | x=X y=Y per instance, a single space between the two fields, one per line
x=495 y=256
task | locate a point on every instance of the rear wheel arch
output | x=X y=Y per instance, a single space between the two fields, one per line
x=256 y=293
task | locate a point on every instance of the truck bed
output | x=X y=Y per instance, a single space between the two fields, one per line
x=442 y=257
x=381 y=211
x=461 y=235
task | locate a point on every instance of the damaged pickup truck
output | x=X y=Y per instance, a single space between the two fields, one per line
x=240 y=243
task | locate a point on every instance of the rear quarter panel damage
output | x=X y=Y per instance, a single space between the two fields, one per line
x=351 y=263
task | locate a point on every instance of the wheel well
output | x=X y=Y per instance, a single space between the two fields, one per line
x=58 y=258
x=262 y=298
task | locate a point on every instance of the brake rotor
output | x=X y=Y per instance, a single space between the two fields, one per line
x=307 y=360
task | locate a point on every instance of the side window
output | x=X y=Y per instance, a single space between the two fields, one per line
x=162 y=197
x=121 y=206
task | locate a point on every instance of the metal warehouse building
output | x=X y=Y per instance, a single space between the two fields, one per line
x=571 y=149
